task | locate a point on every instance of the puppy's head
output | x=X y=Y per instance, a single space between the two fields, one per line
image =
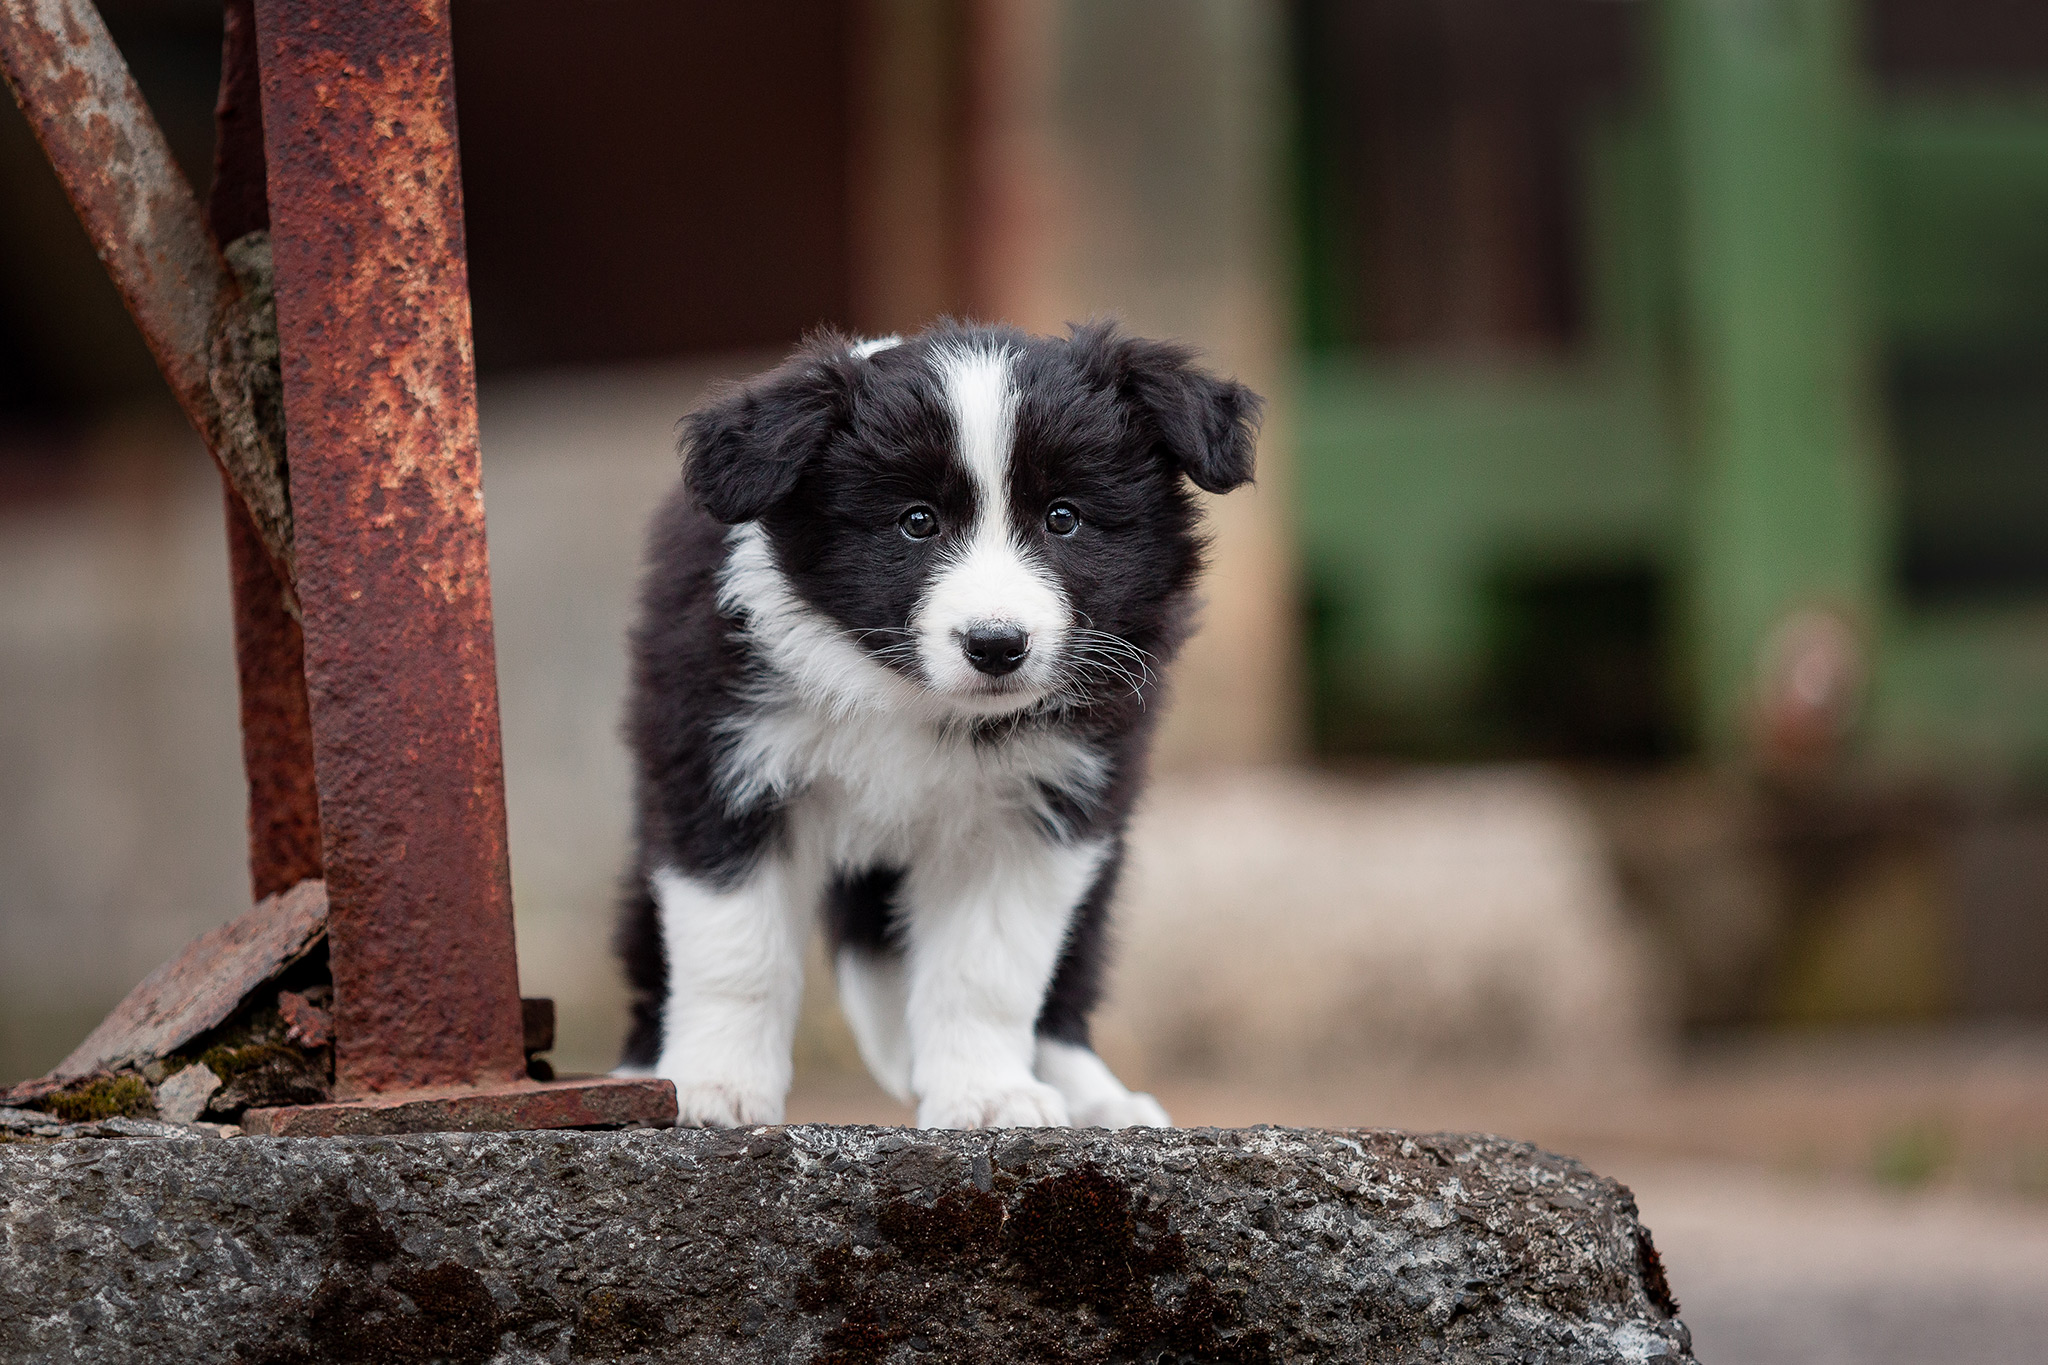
x=1002 y=519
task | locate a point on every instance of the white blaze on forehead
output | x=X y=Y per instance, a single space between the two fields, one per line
x=989 y=579
x=983 y=400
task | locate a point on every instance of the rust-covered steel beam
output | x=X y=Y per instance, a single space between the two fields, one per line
x=372 y=289
x=277 y=734
x=144 y=223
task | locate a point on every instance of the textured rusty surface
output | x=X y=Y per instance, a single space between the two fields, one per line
x=584 y=1102
x=140 y=213
x=277 y=734
x=306 y=1025
x=31 y=1091
x=538 y=1014
x=247 y=387
x=394 y=581
x=204 y=984
x=238 y=202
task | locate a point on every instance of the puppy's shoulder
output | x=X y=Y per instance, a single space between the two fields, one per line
x=687 y=658
x=686 y=547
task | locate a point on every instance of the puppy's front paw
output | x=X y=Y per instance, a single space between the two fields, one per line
x=1030 y=1105
x=725 y=1104
x=1131 y=1109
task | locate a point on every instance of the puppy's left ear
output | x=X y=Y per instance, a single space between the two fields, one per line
x=1206 y=425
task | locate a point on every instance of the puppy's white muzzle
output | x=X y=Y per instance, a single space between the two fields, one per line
x=990 y=629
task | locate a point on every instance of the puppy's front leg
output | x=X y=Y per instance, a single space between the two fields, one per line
x=735 y=983
x=984 y=932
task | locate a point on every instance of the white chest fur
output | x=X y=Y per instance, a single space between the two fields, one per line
x=865 y=786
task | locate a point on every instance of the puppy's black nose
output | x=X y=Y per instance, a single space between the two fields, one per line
x=996 y=650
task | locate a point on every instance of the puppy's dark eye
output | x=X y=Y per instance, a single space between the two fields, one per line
x=1062 y=520
x=919 y=523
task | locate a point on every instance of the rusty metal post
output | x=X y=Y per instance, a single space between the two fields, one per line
x=277 y=736
x=380 y=412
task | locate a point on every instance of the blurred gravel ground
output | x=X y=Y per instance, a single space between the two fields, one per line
x=1775 y=1270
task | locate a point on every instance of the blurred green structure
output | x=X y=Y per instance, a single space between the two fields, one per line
x=1811 y=376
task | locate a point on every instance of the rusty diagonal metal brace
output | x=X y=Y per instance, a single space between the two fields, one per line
x=375 y=522
x=144 y=222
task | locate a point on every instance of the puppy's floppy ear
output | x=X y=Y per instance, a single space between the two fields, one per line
x=1206 y=425
x=744 y=451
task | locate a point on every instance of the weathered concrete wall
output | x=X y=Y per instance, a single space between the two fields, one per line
x=840 y=1245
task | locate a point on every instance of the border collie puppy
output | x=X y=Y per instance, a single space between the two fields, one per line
x=897 y=667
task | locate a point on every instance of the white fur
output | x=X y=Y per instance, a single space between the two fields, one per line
x=991 y=580
x=830 y=721
x=985 y=908
x=735 y=980
x=982 y=397
x=811 y=659
x=1095 y=1097
x=984 y=924
x=873 y=992
x=863 y=349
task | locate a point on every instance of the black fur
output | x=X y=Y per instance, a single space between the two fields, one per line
x=638 y=941
x=858 y=909
x=825 y=452
x=748 y=451
x=688 y=667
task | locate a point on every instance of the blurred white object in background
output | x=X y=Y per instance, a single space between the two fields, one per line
x=1283 y=922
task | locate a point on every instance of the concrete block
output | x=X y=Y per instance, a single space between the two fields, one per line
x=1289 y=923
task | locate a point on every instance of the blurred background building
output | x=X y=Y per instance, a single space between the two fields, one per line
x=1674 y=395
x=1637 y=640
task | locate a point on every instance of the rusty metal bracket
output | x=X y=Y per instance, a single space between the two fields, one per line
x=373 y=706
x=144 y=221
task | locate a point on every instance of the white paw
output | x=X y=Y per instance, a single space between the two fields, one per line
x=1128 y=1110
x=725 y=1104
x=1031 y=1105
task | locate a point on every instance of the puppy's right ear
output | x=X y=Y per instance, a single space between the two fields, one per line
x=745 y=451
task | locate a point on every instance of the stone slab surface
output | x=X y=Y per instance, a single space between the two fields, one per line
x=830 y=1245
x=205 y=983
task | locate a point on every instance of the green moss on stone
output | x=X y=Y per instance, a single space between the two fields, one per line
x=230 y=1062
x=102 y=1097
